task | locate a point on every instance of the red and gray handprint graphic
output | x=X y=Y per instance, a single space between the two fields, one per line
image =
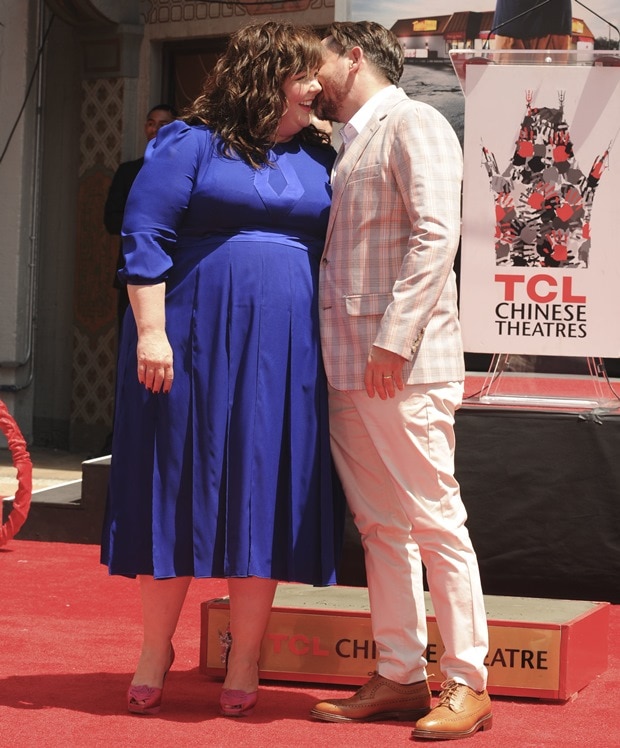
x=543 y=200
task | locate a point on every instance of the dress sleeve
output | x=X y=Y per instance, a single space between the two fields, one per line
x=158 y=200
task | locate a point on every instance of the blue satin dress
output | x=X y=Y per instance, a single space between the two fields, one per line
x=230 y=474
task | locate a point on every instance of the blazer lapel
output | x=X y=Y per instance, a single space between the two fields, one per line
x=347 y=159
x=345 y=162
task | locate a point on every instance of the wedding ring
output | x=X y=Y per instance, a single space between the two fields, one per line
x=387 y=376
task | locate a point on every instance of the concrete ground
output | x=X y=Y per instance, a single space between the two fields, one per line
x=50 y=467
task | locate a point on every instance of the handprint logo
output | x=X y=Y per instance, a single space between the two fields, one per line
x=543 y=200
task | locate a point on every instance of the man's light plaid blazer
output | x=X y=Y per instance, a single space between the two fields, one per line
x=387 y=274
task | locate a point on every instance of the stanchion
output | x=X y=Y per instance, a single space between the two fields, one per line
x=23 y=467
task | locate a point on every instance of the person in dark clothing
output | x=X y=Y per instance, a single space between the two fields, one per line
x=546 y=27
x=158 y=116
x=114 y=211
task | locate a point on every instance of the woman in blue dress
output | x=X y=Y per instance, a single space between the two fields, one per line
x=221 y=464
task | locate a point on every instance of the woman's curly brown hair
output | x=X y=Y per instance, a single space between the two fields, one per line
x=242 y=99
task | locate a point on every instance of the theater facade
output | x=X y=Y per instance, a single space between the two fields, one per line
x=430 y=38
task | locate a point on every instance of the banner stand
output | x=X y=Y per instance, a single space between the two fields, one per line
x=525 y=381
x=540 y=199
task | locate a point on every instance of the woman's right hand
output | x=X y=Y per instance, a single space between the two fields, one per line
x=155 y=369
x=154 y=351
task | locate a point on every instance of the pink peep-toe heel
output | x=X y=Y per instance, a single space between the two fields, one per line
x=147 y=699
x=235 y=703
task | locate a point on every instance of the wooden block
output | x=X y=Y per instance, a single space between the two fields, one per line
x=539 y=648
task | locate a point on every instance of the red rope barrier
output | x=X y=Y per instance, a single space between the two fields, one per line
x=23 y=466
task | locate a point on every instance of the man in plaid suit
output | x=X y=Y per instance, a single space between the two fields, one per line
x=394 y=360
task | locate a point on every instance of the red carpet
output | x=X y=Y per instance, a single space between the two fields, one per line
x=69 y=641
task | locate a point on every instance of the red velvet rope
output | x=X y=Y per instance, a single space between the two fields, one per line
x=23 y=466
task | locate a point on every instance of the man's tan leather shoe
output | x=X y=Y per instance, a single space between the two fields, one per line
x=380 y=698
x=461 y=711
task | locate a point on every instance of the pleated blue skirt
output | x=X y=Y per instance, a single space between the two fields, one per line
x=230 y=474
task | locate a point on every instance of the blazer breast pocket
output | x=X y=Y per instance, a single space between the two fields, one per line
x=367 y=304
x=364 y=173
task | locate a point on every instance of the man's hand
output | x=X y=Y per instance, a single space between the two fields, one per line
x=384 y=373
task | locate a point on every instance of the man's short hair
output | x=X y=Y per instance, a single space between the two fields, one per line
x=381 y=46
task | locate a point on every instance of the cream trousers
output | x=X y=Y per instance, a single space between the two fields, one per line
x=395 y=459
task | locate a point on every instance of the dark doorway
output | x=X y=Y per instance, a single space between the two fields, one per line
x=185 y=66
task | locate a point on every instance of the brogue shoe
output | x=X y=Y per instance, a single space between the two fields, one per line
x=379 y=699
x=460 y=712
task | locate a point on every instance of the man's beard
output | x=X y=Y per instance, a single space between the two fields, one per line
x=326 y=109
x=328 y=106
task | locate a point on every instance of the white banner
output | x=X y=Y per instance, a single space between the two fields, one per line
x=540 y=265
